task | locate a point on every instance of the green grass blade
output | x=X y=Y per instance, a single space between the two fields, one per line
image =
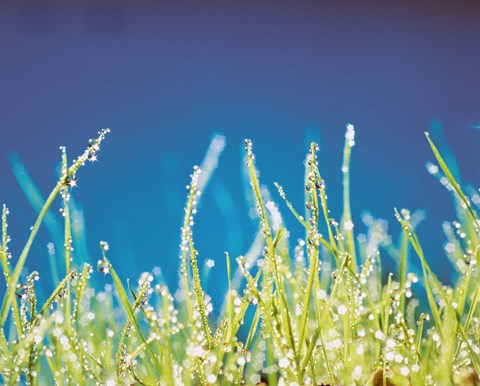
x=454 y=183
x=7 y=300
x=122 y=294
x=346 y=223
x=54 y=296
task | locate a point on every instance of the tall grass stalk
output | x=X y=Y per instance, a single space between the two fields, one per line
x=325 y=312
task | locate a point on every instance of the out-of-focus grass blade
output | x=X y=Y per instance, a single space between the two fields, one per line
x=454 y=183
x=35 y=198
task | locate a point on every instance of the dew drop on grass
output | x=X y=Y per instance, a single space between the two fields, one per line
x=104 y=245
x=21 y=291
x=211 y=378
x=283 y=363
x=379 y=335
x=342 y=310
x=320 y=184
x=103 y=266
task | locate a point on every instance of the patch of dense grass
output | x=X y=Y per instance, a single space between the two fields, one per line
x=321 y=311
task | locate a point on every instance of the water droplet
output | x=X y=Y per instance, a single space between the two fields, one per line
x=320 y=184
x=103 y=266
x=71 y=181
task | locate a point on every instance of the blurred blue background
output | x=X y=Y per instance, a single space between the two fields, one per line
x=165 y=77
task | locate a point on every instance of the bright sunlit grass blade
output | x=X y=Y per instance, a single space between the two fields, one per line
x=347 y=223
x=67 y=236
x=130 y=314
x=7 y=300
x=59 y=292
x=4 y=256
x=324 y=309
